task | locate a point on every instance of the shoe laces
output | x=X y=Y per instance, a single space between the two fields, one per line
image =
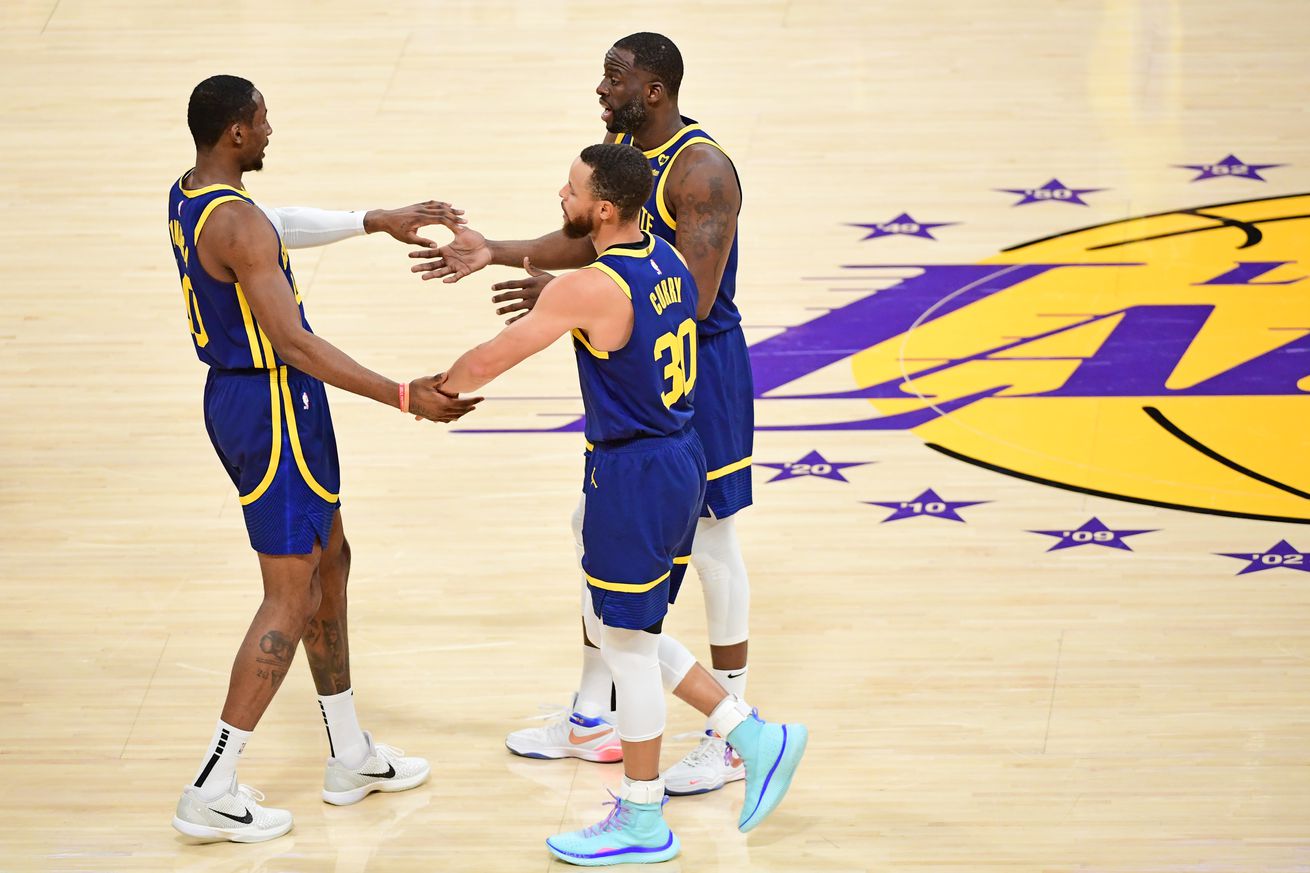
x=388 y=753
x=617 y=818
x=251 y=792
x=705 y=753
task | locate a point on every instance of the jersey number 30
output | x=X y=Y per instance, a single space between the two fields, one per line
x=680 y=371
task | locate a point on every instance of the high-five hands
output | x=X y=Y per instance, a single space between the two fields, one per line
x=427 y=400
x=403 y=223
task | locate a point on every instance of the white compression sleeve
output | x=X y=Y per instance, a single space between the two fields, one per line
x=303 y=227
x=716 y=555
x=633 y=658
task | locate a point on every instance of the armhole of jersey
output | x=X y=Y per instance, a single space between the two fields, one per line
x=610 y=271
x=660 y=203
x=204 y=216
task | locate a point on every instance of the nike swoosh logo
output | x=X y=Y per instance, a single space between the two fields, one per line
x=735 y=675
x=391 y=771
x=577 y=740
x=245 y=819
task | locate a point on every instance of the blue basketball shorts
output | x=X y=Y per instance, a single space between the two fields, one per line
x=643 y=498
x=723 y=414
x=272 y=430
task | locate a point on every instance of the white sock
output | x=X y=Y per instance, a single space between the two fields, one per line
x=635 y=791
x=346 y=741
x=733 y=682
x=594 y=686
x=215 y=775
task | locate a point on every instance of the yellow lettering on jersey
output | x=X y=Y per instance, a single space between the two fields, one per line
x=194 y=320
x=667 y=292
x=179 y=240
x=680 y=371
x=647 y=221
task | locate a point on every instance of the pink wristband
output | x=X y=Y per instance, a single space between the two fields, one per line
x=404 y=397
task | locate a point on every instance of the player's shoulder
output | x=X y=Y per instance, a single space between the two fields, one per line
x=239 y=222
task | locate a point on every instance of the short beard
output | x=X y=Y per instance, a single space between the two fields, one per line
x=628 y=118
x=254 y=167
x=577 y=228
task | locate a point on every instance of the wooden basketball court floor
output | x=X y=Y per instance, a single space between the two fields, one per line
x=992 y=680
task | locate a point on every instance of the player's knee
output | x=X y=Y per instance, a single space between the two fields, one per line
x=676 y=661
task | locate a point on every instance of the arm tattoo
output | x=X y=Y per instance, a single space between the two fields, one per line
x=712 y=216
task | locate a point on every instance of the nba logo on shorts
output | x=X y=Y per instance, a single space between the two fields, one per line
x=304 y=399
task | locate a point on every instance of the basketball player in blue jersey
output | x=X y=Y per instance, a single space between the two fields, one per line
x=632 y=314
x=694 y=205
x=267 y=415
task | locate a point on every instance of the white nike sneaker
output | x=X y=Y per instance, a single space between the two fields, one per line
x=234 y=816
x=708 y=767
x=591 y=739
x=385 y=768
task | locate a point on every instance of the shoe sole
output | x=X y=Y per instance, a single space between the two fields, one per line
x=706 y=789
x=780 y=775
x=621 y=858
x=355 y=795
x=596 y=756
x=232 y=835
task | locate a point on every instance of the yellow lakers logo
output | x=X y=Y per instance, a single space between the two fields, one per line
x=1163 y=359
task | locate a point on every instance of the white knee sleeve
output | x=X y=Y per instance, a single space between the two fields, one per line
x=576 y=520
x=716 y=555
x=675 y=661
x=633 y=658
x=590 y=620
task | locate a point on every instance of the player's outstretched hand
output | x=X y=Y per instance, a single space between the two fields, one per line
x=520 y=295
x=403 y=223
x=467 y=253
x=427 y=400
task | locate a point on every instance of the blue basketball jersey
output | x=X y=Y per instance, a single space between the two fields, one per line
x=658 y=219
x=223 y=328
x=644 y=389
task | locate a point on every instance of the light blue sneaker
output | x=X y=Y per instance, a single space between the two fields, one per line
x=633 y=833
x=771 y=752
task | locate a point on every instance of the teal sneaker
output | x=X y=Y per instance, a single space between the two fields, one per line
x=633 y=833
x=771 y=752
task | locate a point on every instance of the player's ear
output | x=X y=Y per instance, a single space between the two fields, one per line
x=235 y=132
x=654 y=91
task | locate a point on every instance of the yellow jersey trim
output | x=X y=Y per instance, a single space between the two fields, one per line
x=623 y=252
x=275 y=454
x=685 y=559
x=590 y=447
x=618 y=280
x=196 y=192
x=204 y=216
x=625 y=587
x=582 y=338
x=730 y=468
x=270 y=359
x=295 y=443
x=664 y=178
x=248 y=319
x=656 y=152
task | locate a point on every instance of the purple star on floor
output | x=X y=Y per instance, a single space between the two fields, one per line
x=1229 y=166
x=1093 y=532
x=928 y=503
x=903 y=225
x=1281 y=555
x=1054 y=190
x=813 y=464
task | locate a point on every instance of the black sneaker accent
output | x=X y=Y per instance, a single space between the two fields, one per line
x=246 y=819
x=391 y=771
